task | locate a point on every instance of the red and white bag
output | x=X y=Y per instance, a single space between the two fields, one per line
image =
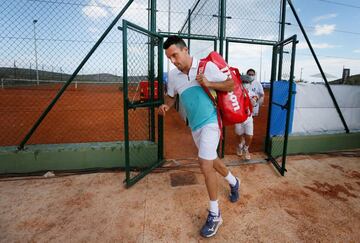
x=234 y=106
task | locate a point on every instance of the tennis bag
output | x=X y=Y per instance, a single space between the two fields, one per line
x=234 y=106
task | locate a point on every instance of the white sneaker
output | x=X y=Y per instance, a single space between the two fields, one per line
x=239 y=150
x=247 y=153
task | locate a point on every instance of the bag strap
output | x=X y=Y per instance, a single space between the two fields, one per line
x=201 y=70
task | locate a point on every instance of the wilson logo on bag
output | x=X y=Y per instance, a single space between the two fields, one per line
x=234 y=106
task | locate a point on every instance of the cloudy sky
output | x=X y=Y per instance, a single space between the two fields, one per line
x=66 y=31
x=334 y=31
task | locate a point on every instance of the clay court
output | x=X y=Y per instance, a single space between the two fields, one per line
x=94 y=113
x=317 y=201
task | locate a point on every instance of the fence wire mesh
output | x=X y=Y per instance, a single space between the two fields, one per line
x=140 y=75
x=172 y=15
x=257 y=19
x=204 y=18
x=42 y=43
x=286 y=67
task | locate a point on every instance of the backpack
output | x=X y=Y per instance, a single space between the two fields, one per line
x=234 y=106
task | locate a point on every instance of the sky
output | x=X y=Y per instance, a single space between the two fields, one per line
x=334 y=32
x=66 y=30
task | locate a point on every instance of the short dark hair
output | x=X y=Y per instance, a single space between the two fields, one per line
x=250 y=70
x=174 y=40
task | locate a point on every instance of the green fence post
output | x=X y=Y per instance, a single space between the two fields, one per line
x=189 y=27
x=288 y=105
x=282 y=34
x=126 y=103
x=161 y=97
x=152 y=28
x=222 y=20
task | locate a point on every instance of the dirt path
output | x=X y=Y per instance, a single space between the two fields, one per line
x=317 y=201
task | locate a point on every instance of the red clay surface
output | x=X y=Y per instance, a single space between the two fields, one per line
x=86 y=114
x=95 y=114
x=317 y=201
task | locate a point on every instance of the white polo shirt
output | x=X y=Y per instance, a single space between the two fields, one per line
x=198 y=107
x=255 y=89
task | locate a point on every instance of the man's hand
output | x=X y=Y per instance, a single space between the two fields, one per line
x=202 y=80
x=163 y=109
x=254 y=99
x=169 y=102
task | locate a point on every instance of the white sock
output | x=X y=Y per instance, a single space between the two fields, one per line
x=214 y=207
x=231 y=179
x=245 y=147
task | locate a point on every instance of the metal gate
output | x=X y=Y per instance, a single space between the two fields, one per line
x=281 y=102
x=143 y=92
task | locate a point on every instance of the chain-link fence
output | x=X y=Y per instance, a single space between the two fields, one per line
x=253 y=19
x=172 y=15
x=141 y=73
x=203 y=18
x=42 y=42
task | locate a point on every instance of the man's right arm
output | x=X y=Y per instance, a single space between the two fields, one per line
x=169 y=102
x=260 y=93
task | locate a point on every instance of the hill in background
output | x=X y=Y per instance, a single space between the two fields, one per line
x=24 y=73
